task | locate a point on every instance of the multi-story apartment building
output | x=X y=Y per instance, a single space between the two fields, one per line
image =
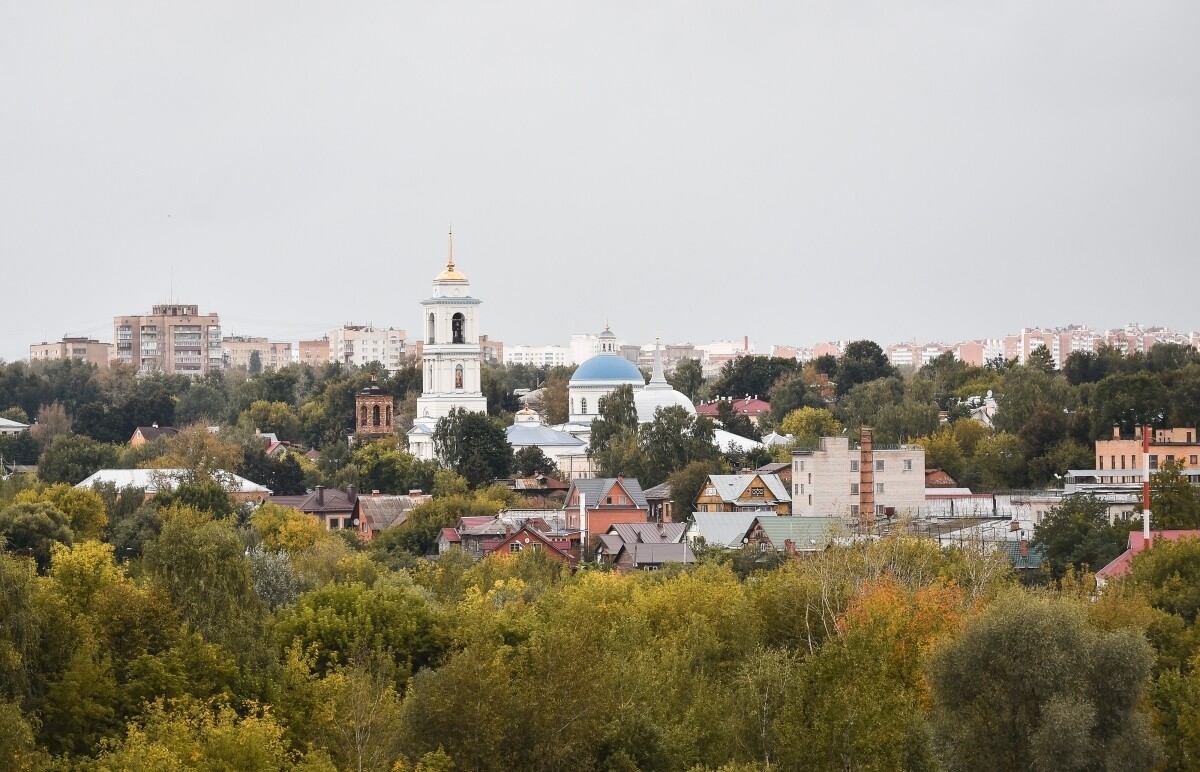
x=172 y=338
x=1119 y=459
x=914 y=355
x=89 y=350
x=715 y=354
x=313 y=352
x=1059 y=342
x=834 y=480
x=538 y=356
x=238 y=351
x=361 y=345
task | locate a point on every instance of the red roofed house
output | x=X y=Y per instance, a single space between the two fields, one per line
x=446 y=539
x=751 y=407
x=608 y=501
x=1121 y=565
x=528 y=537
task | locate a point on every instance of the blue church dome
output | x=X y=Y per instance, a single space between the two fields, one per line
x=608 y=367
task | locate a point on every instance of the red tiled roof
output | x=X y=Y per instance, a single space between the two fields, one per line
x=1121 y=565
x=750 y=406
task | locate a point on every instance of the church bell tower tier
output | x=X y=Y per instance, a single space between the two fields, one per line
x=451 y=360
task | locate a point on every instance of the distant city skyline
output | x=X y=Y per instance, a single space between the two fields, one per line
x=794 y=172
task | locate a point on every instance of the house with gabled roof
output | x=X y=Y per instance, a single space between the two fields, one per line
x=621 y=535
x=1123 y=563
x=726 y=530
x=528 y=537
x=606 y=501
x=649 y=556
x=379 y=511
x=144 y=434
x=753 y=492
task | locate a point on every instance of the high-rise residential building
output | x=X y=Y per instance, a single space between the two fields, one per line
x=355 y=344
x=239 y=350
x=492 y=350
x=172 y=338
x=89 y=350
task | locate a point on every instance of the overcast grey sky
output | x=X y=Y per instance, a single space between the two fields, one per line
x=793 y=171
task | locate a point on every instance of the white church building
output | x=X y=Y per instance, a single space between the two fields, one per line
x=451 y=360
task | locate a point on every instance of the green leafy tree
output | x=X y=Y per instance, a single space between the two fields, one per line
x=345 y=623
x=199 y=563
x=33 y=530
x=620 y=455
x=474 y=445
x=734 y=422
x=617 y=413
x=809 y=424
x=72 y=459
x=863 y=361
x=685 y=487
x=1000 y=462
x=862 y=404
x=943 y=451
x=687 y=378
x=1173 y=501
x=532 y=461
x=1031 y=685
x=272 y=417
x=752 y=376
x=203 y=402
x=1076 y=534
x=673 y=440
x=1129 y=400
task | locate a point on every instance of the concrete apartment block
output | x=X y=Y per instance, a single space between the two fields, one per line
x=91 y=351
x=826 y=481
x=172 y=338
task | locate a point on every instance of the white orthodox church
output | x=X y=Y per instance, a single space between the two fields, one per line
x=451 y=359
x=451 y=378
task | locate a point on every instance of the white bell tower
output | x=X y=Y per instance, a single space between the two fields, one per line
x=451 y=360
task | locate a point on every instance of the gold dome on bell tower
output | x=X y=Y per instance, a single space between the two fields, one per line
x=451 y=273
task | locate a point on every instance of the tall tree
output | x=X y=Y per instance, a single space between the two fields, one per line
x=862 y=362
x=474 y=445
x=1076 y=534
x=1031 y=685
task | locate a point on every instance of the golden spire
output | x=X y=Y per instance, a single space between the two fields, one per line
x=451 y=273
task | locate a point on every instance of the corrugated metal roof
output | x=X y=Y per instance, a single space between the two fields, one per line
x=649 y=533
x=808 y=533
x=723 y=529
x=731 y=487
x=153 y=480
x=526 y=435
x=657 y=554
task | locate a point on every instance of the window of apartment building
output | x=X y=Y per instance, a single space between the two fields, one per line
x=879 y=465
x=908 y=464
x=810 y=499
x=1122 y=460
x=1191 y=460
x=757 y=492
x=854 y=489
x=801 y=466
x=1101 y=462
x=1170 y=458
x=1113 y=463
x=880 y=509
x=1189 y=436
x=879 y=487
x=1153 y=462
x=853 y=466
x=853 y=510
x=810 y=478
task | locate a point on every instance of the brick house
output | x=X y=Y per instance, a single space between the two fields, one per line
x=607 y=501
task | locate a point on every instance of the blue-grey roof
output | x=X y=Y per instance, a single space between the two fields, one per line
x=608 y=367
x=525 y=435
x=723 y=529
x=656 y=554
x=595 y=488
